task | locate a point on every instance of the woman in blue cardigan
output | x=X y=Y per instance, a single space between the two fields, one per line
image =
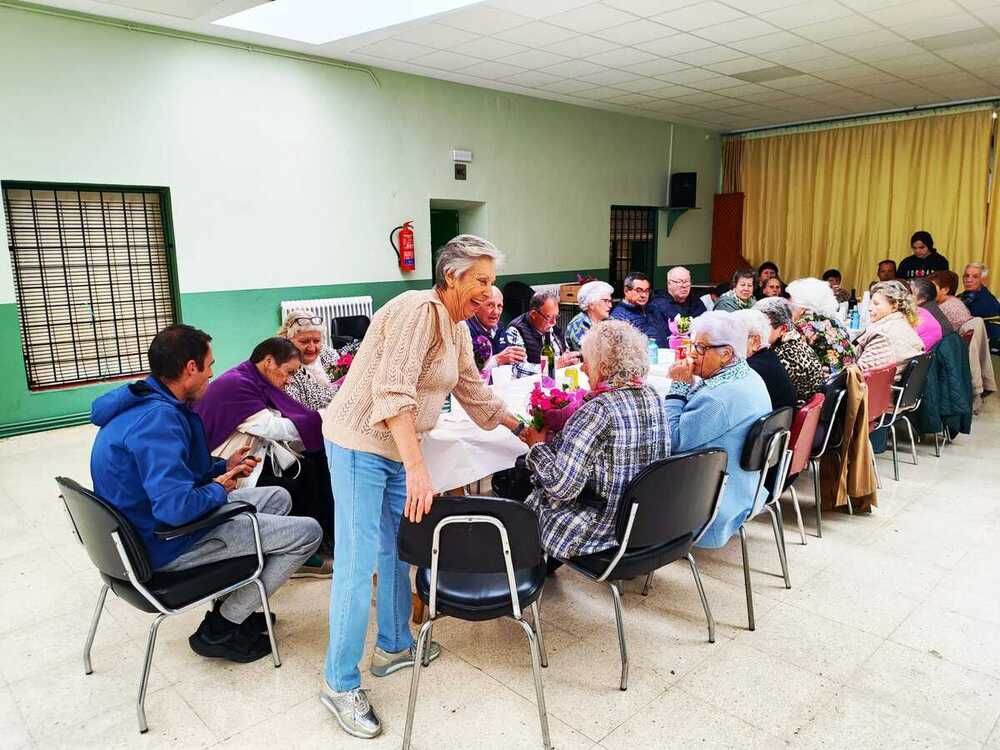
x=717 y=410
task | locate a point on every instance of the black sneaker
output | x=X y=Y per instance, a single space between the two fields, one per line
x=225 y=640
x=255 y=622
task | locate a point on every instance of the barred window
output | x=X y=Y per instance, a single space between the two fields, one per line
x=94 y=278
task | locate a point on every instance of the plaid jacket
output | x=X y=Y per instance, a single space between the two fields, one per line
x=603 y=445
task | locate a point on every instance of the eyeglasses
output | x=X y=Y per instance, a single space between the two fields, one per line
x=310 y=320
x=605 y=300
x=640 y=290
x=702 y=349
x=546 y=318
x=679 y=283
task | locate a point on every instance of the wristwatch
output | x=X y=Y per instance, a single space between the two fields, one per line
x=519 y=429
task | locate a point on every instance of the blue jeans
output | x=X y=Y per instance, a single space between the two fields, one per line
x=369 y=495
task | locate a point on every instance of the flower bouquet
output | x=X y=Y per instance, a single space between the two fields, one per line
x=338 y=371
x=551 y=410
x=482 y=350
x=680 y=327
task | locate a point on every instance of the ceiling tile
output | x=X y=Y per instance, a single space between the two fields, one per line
x=827 y=62
x=795 y=55
x=917 y=68
x=887 y=52
x=631 y=99
x=673 y=45
x=488 y=48
x=394 y=49
x=957 y=39
x=609 y=77
x=534 y=58
x=749 y=91
x=715 y=83
x=573 y=69
x=619 y=58
x=779 y=40
x=647 y=8
x=536 y=34
x=740 y=65
x=444 y=60
x=974 y=52
x=756 y=7
x=988 y=15
x=733 y=31
x=537 y=8
x=532 y=78
x=582 y=46
x=709 y=56
x=702 y=98
x=868 y=40
x=836 y=27
x=435 y=35
x=482 y=19
x=689 y=76
x=636 y=32
x=600 y=92
x=944 y=25
x=566 y=86
x=804 y=14
x=864 y=6
x=492 y=69
x=643 y=85
x=794 y=82
x=918 y=10
x=590 y=18
x=657 y=67
x=699 y=16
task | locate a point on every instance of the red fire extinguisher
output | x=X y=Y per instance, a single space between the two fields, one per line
x=404 y=251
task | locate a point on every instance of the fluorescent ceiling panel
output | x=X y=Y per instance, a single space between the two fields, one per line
x=322 y=21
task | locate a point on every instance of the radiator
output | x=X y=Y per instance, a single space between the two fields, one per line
x=328 y=309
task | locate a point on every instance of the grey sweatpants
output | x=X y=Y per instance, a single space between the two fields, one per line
x=287 y=541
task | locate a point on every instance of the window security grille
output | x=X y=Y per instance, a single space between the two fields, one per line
x=93 y=278
x=632 y=242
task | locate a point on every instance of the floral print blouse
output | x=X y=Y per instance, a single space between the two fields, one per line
x=310 y=392
x=829 y=339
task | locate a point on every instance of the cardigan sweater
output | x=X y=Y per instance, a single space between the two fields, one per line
x=412 y=357
x=888 y=340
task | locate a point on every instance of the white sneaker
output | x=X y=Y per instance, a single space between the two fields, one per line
x=353 y=710
x=385 y=663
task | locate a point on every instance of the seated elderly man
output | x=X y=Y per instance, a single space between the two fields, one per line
x=486 y=323
x=151 y=461
x=579 y=477
x=718 y=411
x=678 y=299
x=536 y=329
x=765 y=362
x=594 y=299
x=886 y=270
x=796 y=357
x=635 y=309
x=981 y=302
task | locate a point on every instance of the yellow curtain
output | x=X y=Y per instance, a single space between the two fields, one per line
x=848 y=197
x=991 y=250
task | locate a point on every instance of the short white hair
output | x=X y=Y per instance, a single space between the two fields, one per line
x=984 y=271
x=592 y=291
x=679 y=268
x=618 y=348
x=777 y=310
x=458 y=254
x=722 y=329
x=756 y=323
x=290 y=328
x=813 y=294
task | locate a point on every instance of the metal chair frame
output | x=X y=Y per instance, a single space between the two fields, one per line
x=814 y=465
x=536 y=643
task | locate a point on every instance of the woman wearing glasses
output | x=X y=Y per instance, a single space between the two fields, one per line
x=594 y=299
x=312 y=384
x=717 y=411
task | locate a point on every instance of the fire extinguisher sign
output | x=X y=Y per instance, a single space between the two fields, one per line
x=404 y=249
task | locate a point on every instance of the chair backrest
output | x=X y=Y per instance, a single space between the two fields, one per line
x=879 y=381
x=830 y=428
x=94 y=520
x=516 y=296
x=472 y=547
x=353 y=326
x=914 y=380
x=675 y=497
x=803 y=431
x=760 y=446
x=967 y=336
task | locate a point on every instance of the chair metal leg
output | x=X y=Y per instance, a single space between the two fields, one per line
x=144 y=679
x=798 y=515
x=937 y=445
x=878 y=480
x=814 y=465
x=270 y=626
x=427 y=645
x=704 y=599
x=645 y=586
x=415 y=683
x=537 y=618
x=779 y=539
x=895 y=453
x=746 y=578
x=913 y=442
x=87 y=668
x=543 y=718
x=621 y=633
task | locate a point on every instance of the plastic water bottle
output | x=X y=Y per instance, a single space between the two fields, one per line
x=654 y=351
x=855 y=319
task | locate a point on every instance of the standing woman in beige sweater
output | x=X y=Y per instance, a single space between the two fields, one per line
x=415 y=353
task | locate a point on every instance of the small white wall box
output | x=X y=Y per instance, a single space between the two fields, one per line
x=460 y=155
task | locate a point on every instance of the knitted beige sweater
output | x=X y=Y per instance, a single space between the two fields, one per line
x=412 y=357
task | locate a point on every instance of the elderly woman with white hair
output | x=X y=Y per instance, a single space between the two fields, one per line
x=891 y=337
x=619 y=430
x=415 y=353
x=594 y=299
x=796 y=357
x=814 y=309
x=311 y=384
x=765 y=362
x=717 y=411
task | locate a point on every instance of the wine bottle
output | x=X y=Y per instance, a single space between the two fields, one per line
x=549 y=356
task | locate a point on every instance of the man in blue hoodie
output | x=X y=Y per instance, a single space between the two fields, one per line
x=150 y=460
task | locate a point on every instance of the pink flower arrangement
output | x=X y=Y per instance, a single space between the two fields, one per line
x=680 y=327
x=551 y=410
x=339 y=370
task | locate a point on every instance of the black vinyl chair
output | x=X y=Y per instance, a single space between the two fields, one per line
x=766 y=450
x=516 y=297
x=347 y=328
x=829 y=434
x=663 y=513
x=120 y=556
x=477 y=558
x=908 y=393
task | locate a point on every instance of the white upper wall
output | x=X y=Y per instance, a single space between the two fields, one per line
x=286 y=173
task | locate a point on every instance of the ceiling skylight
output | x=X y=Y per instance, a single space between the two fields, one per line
x=322 y=21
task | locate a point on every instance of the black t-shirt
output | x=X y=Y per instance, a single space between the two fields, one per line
x=914 y=267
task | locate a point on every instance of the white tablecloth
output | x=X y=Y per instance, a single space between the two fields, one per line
x=457 y=452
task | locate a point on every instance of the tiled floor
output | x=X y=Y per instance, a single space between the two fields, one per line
x=890 y=637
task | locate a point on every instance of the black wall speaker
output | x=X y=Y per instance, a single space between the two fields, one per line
x=683 y=190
